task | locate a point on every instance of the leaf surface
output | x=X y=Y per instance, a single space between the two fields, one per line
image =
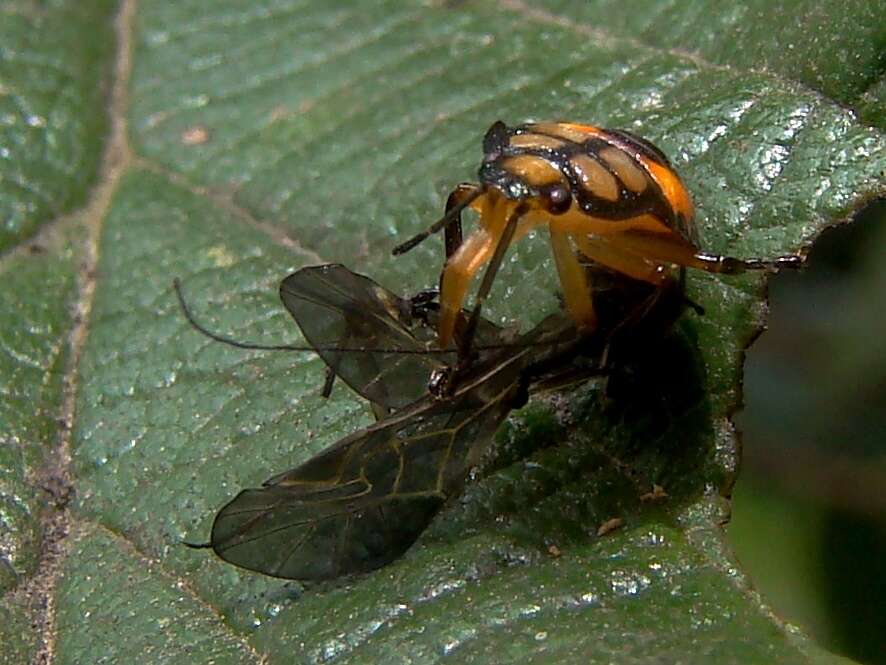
x=265 y=138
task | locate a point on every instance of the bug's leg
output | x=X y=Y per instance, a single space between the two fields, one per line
x=460 y=268
x=573 y=280
x=423 y=303
x=380 y=412
x=456 y=280
x=673 y=249
x=466 y=198
x=728 y=265
x=461 y=196
x=328 y=382
x=612 y=255
x=501 y=246
x=332 y=368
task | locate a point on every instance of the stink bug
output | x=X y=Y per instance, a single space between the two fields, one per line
x=606 y=196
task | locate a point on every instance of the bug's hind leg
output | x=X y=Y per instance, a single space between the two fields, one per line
x=675 y=250
x=612 y=255
x=728 y=265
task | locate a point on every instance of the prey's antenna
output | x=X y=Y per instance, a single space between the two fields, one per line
x=176 y=283
x=199 y=327
x=203 y=330
x=447 y=219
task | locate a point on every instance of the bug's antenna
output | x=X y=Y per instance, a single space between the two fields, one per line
x=447 y=219
x=176 y=283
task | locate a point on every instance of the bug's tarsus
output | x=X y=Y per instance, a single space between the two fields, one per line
x=197 y=546
x=789 y=262
x=728 y=265
x=423 y=302
x=451 y=216
x=694 y=306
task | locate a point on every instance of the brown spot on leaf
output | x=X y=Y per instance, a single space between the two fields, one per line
x=196 y=135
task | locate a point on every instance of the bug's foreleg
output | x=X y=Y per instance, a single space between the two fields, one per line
x=456 y=280
x=501 y=246
x=460 y=268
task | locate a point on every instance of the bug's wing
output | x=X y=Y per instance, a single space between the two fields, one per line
x=362 y=502
x=364 y=332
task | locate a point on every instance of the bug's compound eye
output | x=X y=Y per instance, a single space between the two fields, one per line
x=556 y=199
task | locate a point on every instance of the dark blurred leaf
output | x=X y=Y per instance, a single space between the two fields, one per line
x=810 y=503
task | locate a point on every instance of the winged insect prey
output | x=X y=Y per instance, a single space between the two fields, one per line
x=381 y=345
x=363 y=501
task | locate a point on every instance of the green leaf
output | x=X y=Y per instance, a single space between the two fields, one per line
x=38 y=289
x=264 y=138
x=52 y=91
x=836 y=48
x=16 y=635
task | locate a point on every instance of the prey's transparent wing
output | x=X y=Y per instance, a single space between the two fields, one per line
x=371 y=338
x=362 y=502
x=364 y=333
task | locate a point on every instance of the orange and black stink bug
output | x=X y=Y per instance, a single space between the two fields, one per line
x=607 y=196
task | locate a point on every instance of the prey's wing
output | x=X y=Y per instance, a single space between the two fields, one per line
x=362 y=502
x=364 y=333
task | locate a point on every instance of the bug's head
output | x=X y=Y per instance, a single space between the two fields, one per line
x=492 y=171
x=528 y=178
x=520 y=174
